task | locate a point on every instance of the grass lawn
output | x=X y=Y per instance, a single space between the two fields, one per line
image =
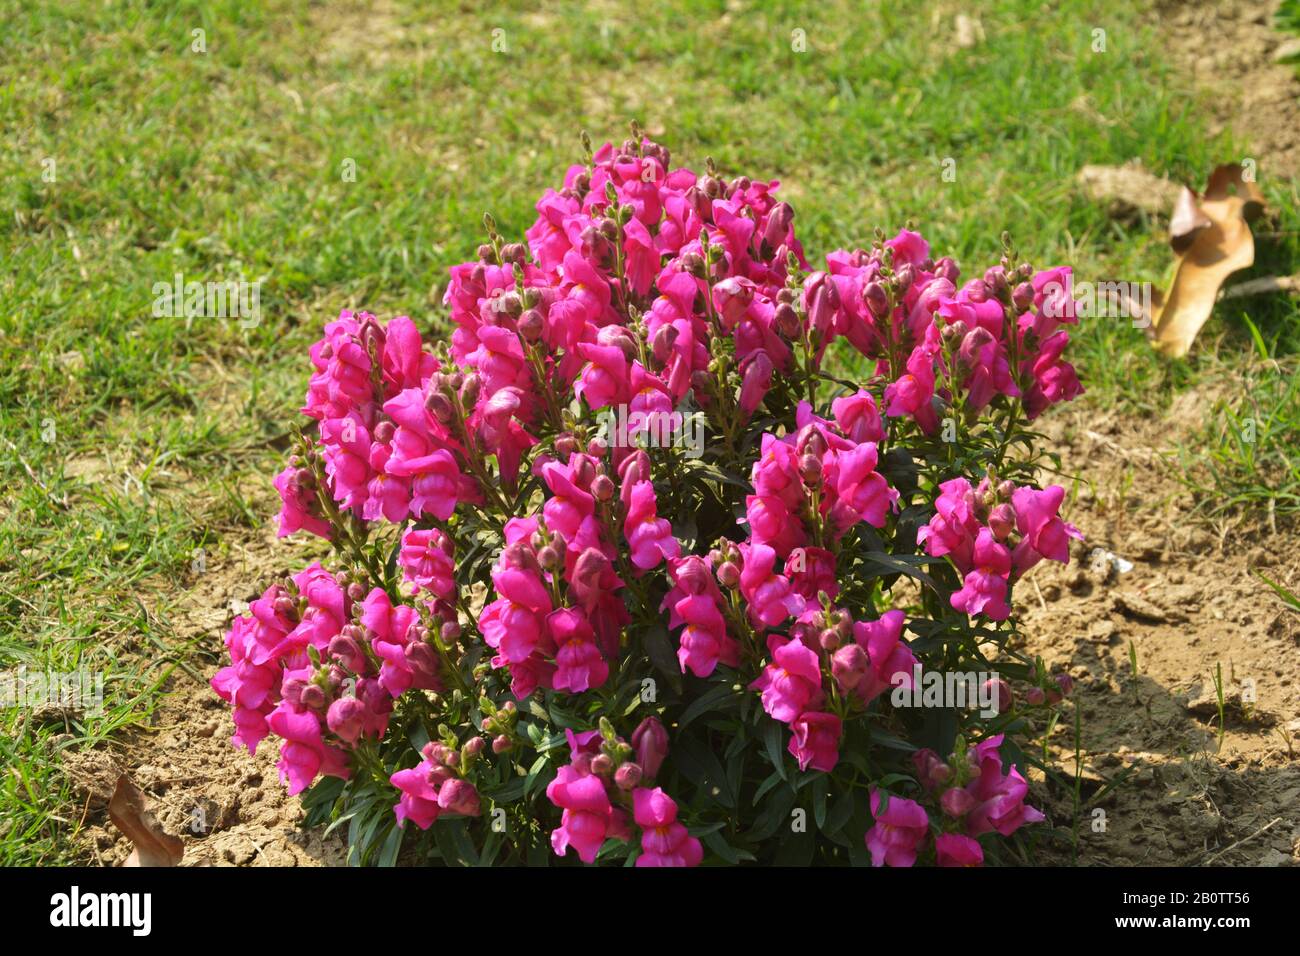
x=134 y=448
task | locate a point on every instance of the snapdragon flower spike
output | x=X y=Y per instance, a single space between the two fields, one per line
x=515 y=624
x=432 y=788
x=973 y=528
x=695 y=604
x=588 y=816
x=997 y=798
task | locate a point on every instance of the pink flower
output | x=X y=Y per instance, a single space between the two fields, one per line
x=858 y=417
x=649 y=537
x=605 y=378
x=899 y=831
x=664 y=841
x=587 y=812
x=425 y=558
x=861 y=488
x=419 y=797
x=892 y=662
x=999 y=798
x=1043 y=533
x=792 y=682
x=984 y=589
x=695 y=601
x=770 y=597
x=953 y=528
x=954 y=849
x=300 y=511
x=815 y=741
x=911 y=394
x=579 y=664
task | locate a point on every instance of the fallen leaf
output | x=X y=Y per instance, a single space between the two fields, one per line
x=1186 y=221
x=151 y=845
x=1211 y=240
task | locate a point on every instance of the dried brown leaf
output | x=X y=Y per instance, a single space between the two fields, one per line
x=1186 y=221
x=1215 y=251
x=152 y=846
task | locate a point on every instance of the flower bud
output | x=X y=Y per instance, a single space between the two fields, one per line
x=1000 y=692
x=501 y=744
x=312 y=697
x=1066 y=683
x=728 y=574
x=627 y=776
x=470 y=389
x=786 y=320
x=904 y=277
x=346 y=718
x=778 y=224
x=531 y=325
x=602 y=765
x=661 y=345
x=876 y=299
x=1022 y=297
x=651 y=743
x=849 y=665
x=602 y=488
x=956 y=802
x=1035 y=696
x=459 y=796
x=693 y=264
x=440 y=405
x=565 y=445
x=830 y=640
x=1002 y=520
x=810 y=469
x=821 y=301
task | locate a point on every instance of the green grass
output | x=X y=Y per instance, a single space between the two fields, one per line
x=229 y=163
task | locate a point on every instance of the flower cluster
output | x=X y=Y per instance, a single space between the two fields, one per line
x=970 y=795
x=994 y=533
x=601 y=795
x=942 y=347
x=302 y=670
x=516 y=578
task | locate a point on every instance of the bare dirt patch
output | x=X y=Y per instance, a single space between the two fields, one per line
x=1227 y=48
x=1190 y=612
x=229 y=807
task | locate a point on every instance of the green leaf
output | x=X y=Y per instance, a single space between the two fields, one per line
x=392 y=847
x=699 y=765
x=775 y=752
x=820 y=789
x=705 y=703
x=660 y=651
x=767 y=785
x=840 y=812
x=899 y=565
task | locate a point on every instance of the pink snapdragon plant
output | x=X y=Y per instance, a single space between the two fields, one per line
x=542 y=639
